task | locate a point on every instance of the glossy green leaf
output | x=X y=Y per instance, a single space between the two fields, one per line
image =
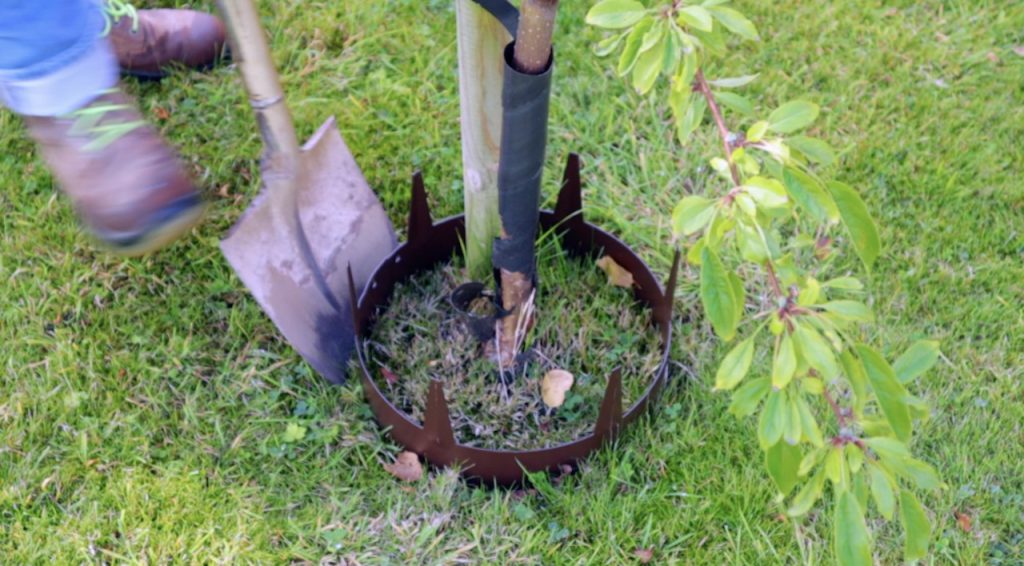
x=922 y=474
x=808 y=423
x=849 y=310
x=696 y=17
x=739 y=294
x=888 y=390
x=858 y=381
x=854 y=458
x=810 y=195
x=717 y=295
x=782 y=461
x=858 y=222
x=882 y=492
x=650 y=61
x=916 y=527
x=816 y=351
x=746 y=398
x=615 y=14
x=691 y=215
x=691 y=119
x=757 y=131
x=784 y=362
x=808 y=495
x=608 y=44
x=813 y=149
x=733 y=82
x=794 y=429
x=834 y=466
x=632 y=49
x=766 y=191
x=735 y=366
x=735 y=22
x=888 y=449
x=810 y=460
x=918 y=358
x=736 y=102
x=792 y=116
x=772 y=421
x=850 y=534
x=860 y=490
x=844 y=283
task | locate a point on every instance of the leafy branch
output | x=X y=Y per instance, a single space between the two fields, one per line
x=776 y=217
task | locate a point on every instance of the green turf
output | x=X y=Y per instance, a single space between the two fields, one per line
x=144 y=403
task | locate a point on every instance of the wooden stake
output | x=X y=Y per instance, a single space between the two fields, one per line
x=481 y=41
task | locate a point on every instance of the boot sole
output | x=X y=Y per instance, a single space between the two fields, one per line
x=162 y=235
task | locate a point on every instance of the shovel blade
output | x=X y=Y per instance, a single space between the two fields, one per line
x=296 y=268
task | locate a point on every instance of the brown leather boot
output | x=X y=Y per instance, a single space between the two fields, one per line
x=148 y=41
x=125 y=183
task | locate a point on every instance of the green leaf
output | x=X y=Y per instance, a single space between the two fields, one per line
x=889 y=391
x=858 y=381
x=844 y=283
x=808 y=495
x=629 y=54
x=858 y=222
x=860 y=490
x=717 y=296
x=615 y=14
x=735 y=22
x=810 y=195
x=918 y=358
x=757 y=131
x=834 y=466
x=691 y=215
x=649 y=63
x=696 y=17
x=852 y=544
x=850 y=310
x=810 y=460
x=782 y=461
x=784 y=362
x=922 y=474
x=608 y=44
x=792 y=116
x=814 y=149
x=688 y=122
x=766 y=191
x=854 y=458
x=739 y=294
x=809 y=423
x=746 y=398
x=816 y=351
x=772 y=421
x=888 y=449
x=882 y=492
x=735 y=365
x=916 y=527
x=733 y=82
x=736 y=102
x=794 y=424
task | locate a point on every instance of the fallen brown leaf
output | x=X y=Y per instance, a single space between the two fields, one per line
x=389 y=376
x=617 y=275
x=992 y=57
x=553 y=387
x=964 y=520
x=406 y=467
x=941 y=36
x=161 y=113
x=644 y=555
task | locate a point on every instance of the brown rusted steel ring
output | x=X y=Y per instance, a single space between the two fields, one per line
x=430 y=244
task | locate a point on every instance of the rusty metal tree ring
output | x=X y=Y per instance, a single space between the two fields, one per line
x=430 y=244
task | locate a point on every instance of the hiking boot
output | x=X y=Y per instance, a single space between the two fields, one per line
x=147 y=41
x=125 y=183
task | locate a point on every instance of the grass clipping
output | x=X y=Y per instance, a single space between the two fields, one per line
x=584 y=326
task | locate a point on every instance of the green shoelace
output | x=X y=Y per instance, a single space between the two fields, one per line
x=88 y=123
x=114 y=10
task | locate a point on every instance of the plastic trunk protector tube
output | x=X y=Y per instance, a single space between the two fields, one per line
x=520 y=163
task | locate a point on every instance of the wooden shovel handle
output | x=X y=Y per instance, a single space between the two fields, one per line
x=252 y=54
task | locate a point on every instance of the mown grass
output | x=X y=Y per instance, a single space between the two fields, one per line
x=143 y=403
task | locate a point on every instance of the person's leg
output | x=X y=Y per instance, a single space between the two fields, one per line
x=60 y=75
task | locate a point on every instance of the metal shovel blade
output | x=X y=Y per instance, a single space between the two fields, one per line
x=295 y=260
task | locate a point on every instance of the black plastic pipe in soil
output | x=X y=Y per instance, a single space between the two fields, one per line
x=525 y=99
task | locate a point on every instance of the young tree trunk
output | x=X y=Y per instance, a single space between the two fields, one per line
x=481 y=41
x=531 y=56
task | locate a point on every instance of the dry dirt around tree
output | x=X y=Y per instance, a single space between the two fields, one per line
x=584 y=326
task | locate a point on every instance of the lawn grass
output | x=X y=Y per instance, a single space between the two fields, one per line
x=144 y=403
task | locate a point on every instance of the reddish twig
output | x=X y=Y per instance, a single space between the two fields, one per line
x=703 y=88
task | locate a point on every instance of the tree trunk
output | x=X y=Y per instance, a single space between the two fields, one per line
x=531 y=56
x=481 y=41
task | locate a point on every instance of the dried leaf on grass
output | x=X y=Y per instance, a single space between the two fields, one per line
x=406 y=467
x=389 y=376
x=644 y=555
x=964 y=520
x=617 y=275
x=554 y=386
